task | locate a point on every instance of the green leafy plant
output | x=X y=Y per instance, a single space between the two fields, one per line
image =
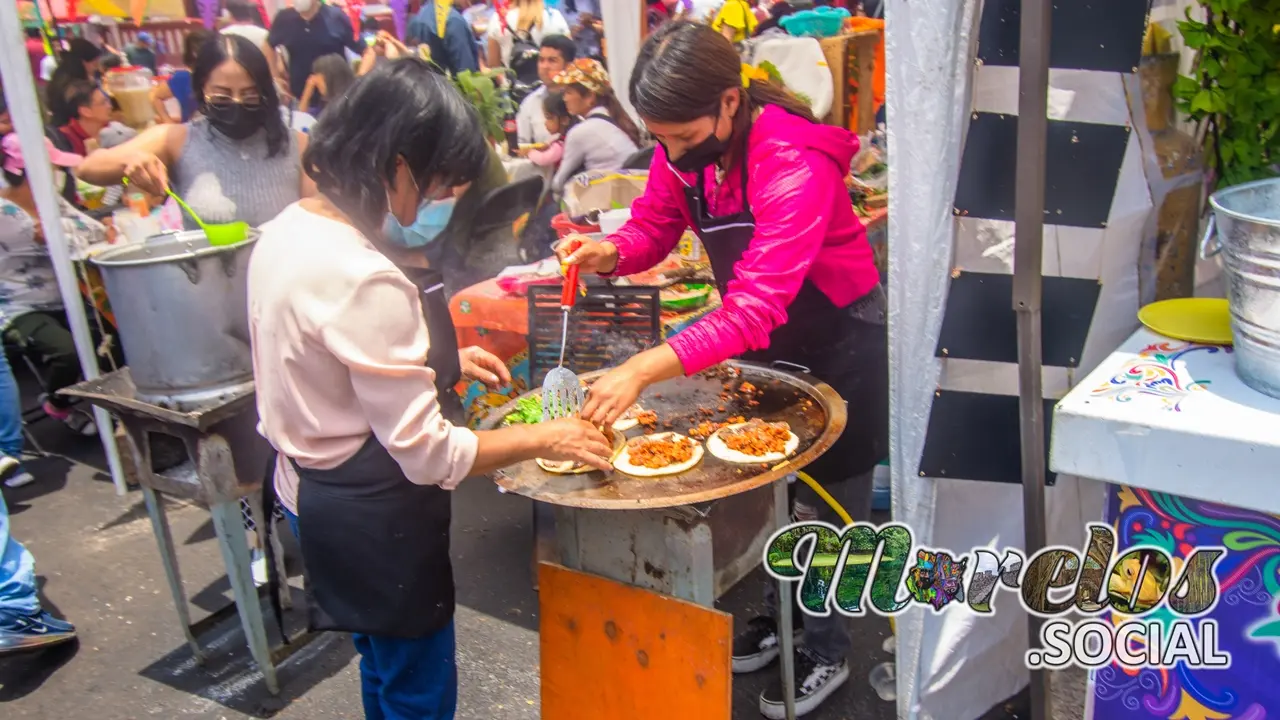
x=1236 y=86
x=491 y=102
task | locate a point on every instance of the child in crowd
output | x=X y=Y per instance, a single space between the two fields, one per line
x=558 y=120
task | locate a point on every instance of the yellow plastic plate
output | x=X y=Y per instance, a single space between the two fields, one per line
x=1200 y=320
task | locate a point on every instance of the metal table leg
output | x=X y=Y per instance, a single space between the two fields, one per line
x=169 y=559
x=235 y=555
x=782 y=511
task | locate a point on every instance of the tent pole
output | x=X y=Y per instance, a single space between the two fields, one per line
x=24 y=108
x=1029 y=203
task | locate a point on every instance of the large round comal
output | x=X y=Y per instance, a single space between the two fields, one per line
x=181 y=308
x=1247 y=222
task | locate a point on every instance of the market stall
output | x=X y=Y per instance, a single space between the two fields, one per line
x=960 y=402
x=1188 y=452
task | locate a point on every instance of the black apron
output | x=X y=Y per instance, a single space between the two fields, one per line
x=375 y=546
x=845 y=347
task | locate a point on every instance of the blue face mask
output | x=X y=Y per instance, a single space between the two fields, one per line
x=432 y=219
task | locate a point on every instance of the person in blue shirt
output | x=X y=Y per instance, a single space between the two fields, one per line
x=447 y=34
x=178 y=86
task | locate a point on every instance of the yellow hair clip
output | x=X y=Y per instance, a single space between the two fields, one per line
x=750 y=73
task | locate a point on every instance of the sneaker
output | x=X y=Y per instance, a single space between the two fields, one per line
x=78 y=421
x=15 y=476
x=757 y=646
x=29 y=632
x=816 y=679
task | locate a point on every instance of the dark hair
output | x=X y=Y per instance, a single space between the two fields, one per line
x=110 y=61
x=562 y=44
x=608 y=100
x=82 y=50
x=244 y=11
x=553 y=105
x=401 y=109
x=192 y=43
x=369 y=23
x=79 y=94
x=34 y=33
x=337 y=73
x=684 y=68
x=243 y=52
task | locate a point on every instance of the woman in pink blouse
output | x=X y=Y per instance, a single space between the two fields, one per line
x=747 y=166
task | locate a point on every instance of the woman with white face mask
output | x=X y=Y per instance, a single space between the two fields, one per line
x=355 y=359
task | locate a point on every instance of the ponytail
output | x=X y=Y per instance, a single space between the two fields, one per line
x=620 y=117
x=763 y=92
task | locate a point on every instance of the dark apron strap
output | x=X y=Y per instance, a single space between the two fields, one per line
x=273 y=576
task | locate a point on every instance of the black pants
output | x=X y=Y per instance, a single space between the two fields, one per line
x=41 y=337
x=46 y=340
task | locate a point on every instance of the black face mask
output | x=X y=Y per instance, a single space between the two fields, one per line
x=698 y=157
x=235 y=120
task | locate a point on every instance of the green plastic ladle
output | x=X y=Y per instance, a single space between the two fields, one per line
x=218 y=234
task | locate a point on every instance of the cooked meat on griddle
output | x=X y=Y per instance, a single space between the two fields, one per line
x=647 y=418
x=659 y=452
x=758 y=438
x=747 y=388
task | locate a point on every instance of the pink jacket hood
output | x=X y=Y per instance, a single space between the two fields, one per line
x=805 y=229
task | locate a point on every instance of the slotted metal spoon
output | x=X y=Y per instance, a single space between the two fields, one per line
x=562 y=394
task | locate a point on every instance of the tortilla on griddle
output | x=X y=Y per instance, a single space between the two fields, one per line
x=628 y=419
x=718 y=448
x=623 y=462
x=573 y=467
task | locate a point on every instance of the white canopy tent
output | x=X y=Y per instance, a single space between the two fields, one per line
x=622 y=30
x=24 y=108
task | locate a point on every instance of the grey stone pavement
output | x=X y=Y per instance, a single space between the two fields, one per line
x=98 y=567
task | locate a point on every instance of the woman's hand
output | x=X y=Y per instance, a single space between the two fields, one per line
x=591 y=255
x=574 y=439
x=480 y=364
x=617 y=390
x=148 y=173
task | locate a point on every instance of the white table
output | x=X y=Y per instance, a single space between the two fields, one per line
x=1172 y=416
x=1191 y=456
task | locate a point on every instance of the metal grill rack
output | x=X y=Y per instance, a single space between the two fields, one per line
x=607 y=325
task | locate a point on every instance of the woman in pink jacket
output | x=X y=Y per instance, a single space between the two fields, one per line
x=748 y=167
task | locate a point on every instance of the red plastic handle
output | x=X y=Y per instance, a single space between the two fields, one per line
x=569 y=291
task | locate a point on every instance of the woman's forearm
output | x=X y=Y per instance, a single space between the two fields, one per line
x=507 y=446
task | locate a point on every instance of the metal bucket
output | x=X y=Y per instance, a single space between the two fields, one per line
x=181 y=306
x=1245 y=228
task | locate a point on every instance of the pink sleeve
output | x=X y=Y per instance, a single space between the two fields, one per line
x=657 y=220
x=549 y=157
x=792 y=196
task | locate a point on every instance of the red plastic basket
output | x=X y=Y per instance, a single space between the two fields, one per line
x=564 y=226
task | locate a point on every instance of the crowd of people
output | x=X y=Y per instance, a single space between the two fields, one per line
x=359 y=144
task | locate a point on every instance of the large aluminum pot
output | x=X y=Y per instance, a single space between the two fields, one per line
x=1245 y=228
x=181 y=307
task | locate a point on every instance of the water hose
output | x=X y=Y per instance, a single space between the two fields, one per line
x=844 y=515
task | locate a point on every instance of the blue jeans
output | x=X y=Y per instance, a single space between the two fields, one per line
x=10 y=411
x=17 y=573
x=405 y=679
x=17 y=567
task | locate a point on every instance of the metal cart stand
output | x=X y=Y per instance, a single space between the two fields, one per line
x=226 y=460
x=695 y=535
